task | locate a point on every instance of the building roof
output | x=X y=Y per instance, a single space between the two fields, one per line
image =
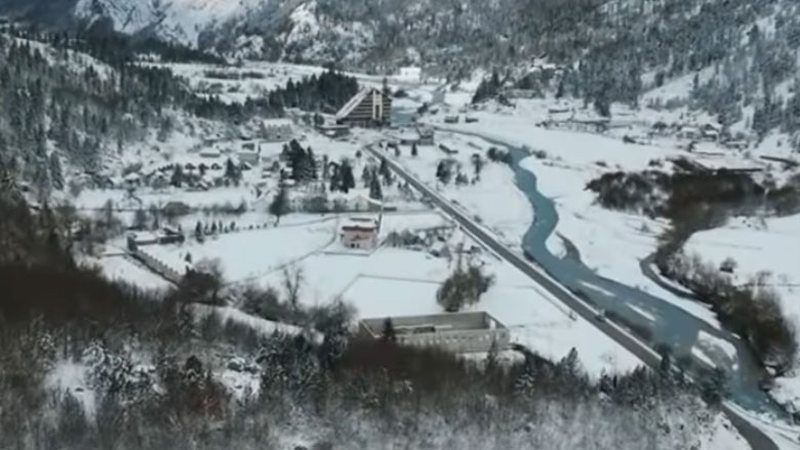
x=277 y=122
x=354 y=102
x=360 y=224
x=436 y=323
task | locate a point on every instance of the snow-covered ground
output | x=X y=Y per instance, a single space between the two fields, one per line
x=397 y=281
x=611 y=242
x=494 y=197
x=764 y=248
x=123 y=268
x=250 y=253
x=68 y=377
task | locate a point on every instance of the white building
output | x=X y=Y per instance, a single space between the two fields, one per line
x=250 y=153
x=410 y=74
x=360 y=233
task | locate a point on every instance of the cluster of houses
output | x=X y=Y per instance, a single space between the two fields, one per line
x=208 y=167
x=700 y=132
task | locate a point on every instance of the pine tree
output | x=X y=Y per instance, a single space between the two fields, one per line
x=347 y=180
x=198 y=231
x=56 y=173
x=388 y=333
x=280 y=205
x=312 y=163
x=232 y=172
x=375 y=191
x=384 y=171
x=366 y=176
x=177 y=176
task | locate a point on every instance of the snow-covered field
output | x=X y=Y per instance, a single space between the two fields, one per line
x=124 y=268
x=611 y=242
x=768 y=249
x=395 y=281
x=250 y=253
x=493 y=197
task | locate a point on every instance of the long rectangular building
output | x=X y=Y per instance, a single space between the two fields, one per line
x=464 y=332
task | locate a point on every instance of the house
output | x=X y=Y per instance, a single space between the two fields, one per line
x=360 y=233
x=451 y=119
x=425 y=136
x=277 y=130
x=521 y=93
x=133 y=180
x=710 y=132
x=660 y=127
x=465 y=332
x=334 y=131
x=210 y=153
x=370 y=107
x=411 y=73
x=250 y=153
x=688 y=132
x=447 y=150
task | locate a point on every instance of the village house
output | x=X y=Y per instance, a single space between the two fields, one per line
x=369 y=108
x=465 y=332
x=425 y=136
x=451 y=119
x=360 y=233
x=333 y=130
x=210 y=153
x=250 y=153
x=411 y=73
x=710 y=132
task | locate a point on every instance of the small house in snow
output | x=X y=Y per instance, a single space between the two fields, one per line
x=451 y=119
x=210 y=153
x=411 y=73
x=250 y=153
x=710 y=132
x=425 y=136
x=369 y=108
x=360 y=233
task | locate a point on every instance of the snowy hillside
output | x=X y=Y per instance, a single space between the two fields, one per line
x=175 y=20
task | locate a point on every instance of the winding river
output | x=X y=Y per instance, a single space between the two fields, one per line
x=665 y=324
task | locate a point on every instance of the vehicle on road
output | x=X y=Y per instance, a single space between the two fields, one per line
x=600 y=316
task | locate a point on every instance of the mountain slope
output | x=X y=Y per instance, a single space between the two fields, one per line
x=176 y=20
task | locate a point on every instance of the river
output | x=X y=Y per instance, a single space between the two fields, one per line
x=667 y=325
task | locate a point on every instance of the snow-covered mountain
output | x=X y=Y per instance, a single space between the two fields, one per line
x=175 y=20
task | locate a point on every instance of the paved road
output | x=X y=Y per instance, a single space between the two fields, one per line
x=754 y=436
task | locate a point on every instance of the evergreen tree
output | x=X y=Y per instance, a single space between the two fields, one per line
x=177 y=176
x=375 y=191
x=56 y=173
x=232 y=172
x=388 y=334
x=366 y=176
x=347 y=180
x=280 y=205
x=384 y=171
